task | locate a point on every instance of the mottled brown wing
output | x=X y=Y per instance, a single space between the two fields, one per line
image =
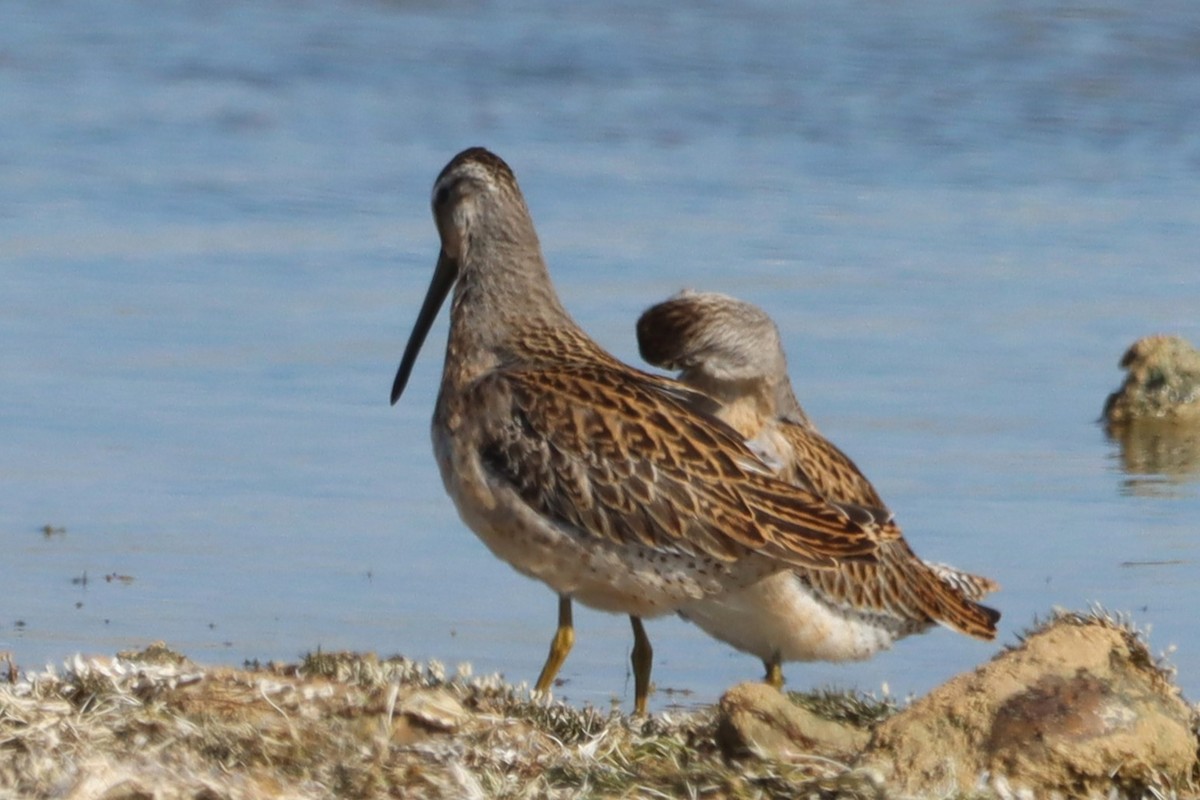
x=625 y=459
x=682 y=393
x=902 y=586
x=899 y=584
x=973 y=587
x=825 y=469
x=556 y=348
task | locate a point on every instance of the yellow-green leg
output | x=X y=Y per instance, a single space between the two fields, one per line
x=642 y=659
x=560 y=646
x=774 y=675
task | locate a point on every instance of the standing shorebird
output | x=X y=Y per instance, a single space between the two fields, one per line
x=606 y=483
x=731 y=351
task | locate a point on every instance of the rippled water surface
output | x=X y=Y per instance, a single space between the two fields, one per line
x=216 y=235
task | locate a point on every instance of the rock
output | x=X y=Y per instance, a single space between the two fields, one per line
x=1078 y=710
x=1155 y=415
x=759 y=720
x=94 y=787
x=1163 y=382
x=157 y=653
x=436 y=709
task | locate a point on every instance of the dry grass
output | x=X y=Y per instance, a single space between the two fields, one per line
x=153 y=725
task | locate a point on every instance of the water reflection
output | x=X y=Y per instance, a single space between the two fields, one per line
x=1158 y=456
x=1154 y=416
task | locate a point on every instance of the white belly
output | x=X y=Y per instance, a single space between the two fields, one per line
x=780 y=615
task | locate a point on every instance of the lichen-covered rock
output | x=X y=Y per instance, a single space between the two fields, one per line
x=1163 y=382
x=1080 y=709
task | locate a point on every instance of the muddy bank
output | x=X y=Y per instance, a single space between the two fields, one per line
x=1078 y=708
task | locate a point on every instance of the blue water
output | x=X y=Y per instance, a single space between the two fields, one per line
x=215 y=234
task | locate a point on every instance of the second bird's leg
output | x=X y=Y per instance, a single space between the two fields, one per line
x=774 y=676
x=560 y=645
x=642 y=659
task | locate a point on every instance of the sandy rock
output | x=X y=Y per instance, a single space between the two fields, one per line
x=103 y=778
x=1078 y=710
x=1163 y=382
x=436 y=709
x=101 y=786
x=156 y=653
x=757 y=719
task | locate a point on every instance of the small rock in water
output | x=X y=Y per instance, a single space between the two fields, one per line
x=1163 y=382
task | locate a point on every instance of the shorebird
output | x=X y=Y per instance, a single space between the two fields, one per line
x=731 y=351
x=611 y=485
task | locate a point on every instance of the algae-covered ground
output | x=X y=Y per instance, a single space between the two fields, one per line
x=1077 y=708
x=154 y=725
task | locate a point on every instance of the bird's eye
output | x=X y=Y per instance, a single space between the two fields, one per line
x=442 y=196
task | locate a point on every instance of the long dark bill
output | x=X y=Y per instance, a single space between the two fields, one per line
x=443 y=278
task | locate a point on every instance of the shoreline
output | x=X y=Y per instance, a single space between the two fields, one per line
x=1077 y=702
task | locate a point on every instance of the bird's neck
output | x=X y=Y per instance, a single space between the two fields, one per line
x=505 y=312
